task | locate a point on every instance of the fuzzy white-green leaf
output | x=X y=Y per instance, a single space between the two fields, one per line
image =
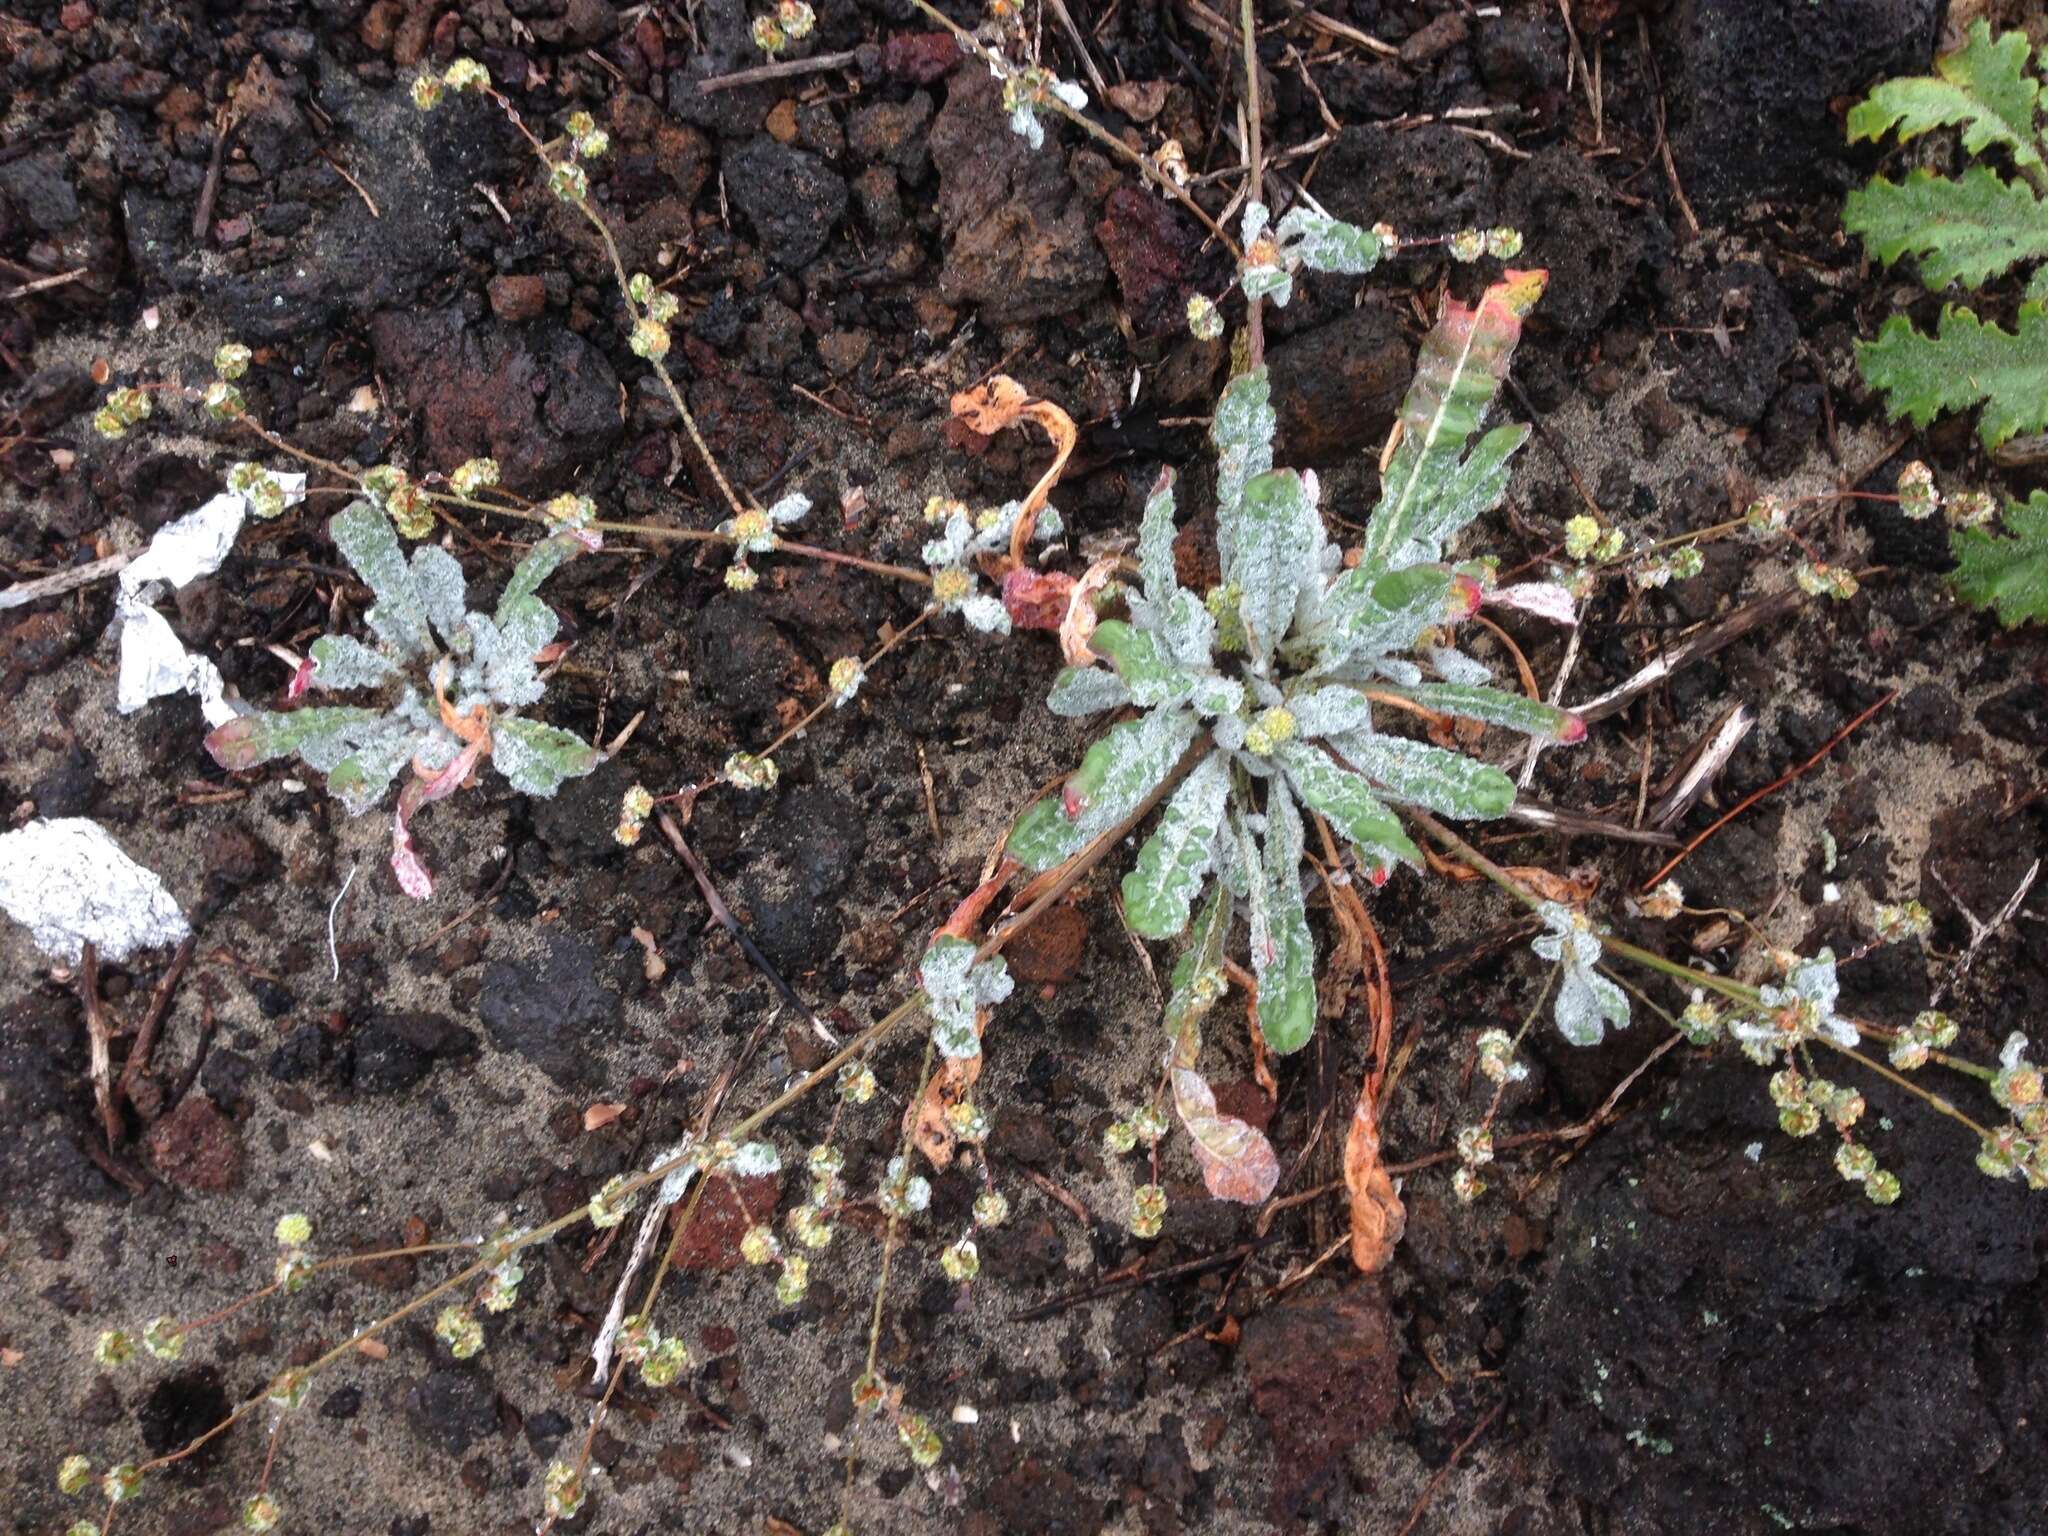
x=369 y=543
x=535 y=758
x=1162 y=886
x=1349 y=802
x=1417 y=773
x=1284 y=954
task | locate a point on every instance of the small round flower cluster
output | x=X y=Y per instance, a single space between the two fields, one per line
x=1475 y=1151
x=1766 y=517
x=1918 y=499
x=1497 y=1061
x=902 y=1193
x=473 y=475
x=753 y=533
x=124 y=408
x=1655 y=571
x=1664 y=903
x=461 y=75
x=743 y=770
x=844 y=680
x=1269 y=731
x=1148 y=1124
x=613 y=1203
x=262 y=490
x=661 y=1358
x=635 y=806
x=294 y=1267
x=1205 y=320
x=1907 y=920
x=1585 y=539
x=1500 y=242
x=569 y=510
x=1816 y=578
x=408 y=507
x=791 y=22
x=2020 y=1146
x=458 y=1328
x=1929 y=1032
x=562 y=1491
x=655 y=306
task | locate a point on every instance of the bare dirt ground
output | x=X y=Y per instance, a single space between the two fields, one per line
x=1685 y=1323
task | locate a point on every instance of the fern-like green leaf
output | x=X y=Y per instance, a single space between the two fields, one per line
x=1983 y=88
x=1967 y=231
x=1963 y=363
x=2009 y=574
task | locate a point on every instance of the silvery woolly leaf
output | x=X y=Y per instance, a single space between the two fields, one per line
x=260 y=737
x=1454 y=666
x=439 y=575
x=1086 y=691
x=1273 y=549
x=1256 y=217
x=1494 y=706
x=536 y=758
x=1156 y=568
x=942 y=971
x=953 y=1031
x=342 y=662
x=1347 y=800
x=1242 y=430
x=1449 y=783
x=539 y=564
x=1262 y=281
x=359 y=780
x=1024 y=123
x=1285 y=962
x=1187 y=626
x=527 y=625
x=986 y=613
x=1330 y=712
x=1367 y=615
x=1161 y=888
x=369 y=543
x=1115 y=775
x=1152 y=678
x=501 y=669
x=990 y=982
x=1217 y=697
x=1586 y=1004
x=1325 y=244
x=790 y=509
x=754 y=1159
x=1228 y=729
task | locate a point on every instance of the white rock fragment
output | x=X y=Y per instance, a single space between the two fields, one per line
x=67 y=881
x=154 y=662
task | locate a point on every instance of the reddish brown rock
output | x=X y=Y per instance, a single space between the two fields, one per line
x=1322 y=1371
x=195 y=1146
x=517 y=297
x=1151 y=248
x=711 y=1243
x=1048 y=953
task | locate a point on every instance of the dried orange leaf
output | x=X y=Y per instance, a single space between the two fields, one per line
x=1377 y=1216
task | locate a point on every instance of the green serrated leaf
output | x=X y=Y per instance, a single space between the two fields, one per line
x=1348 y=800
x=369 y=543
x=1273 y=545
x=1149 y=675
x=535 y=758
x=1983 y=88
x=1420 y=774
x=1964 y=363
x=1967 y=231
x=1043 y=835
x=1284 y=954
x=1494 y=706
x=1369 y=611
x=1161 y=888
x=2008 y=574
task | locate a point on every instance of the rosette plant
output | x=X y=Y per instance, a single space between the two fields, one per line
x=453 y=683
x=1274 y=692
